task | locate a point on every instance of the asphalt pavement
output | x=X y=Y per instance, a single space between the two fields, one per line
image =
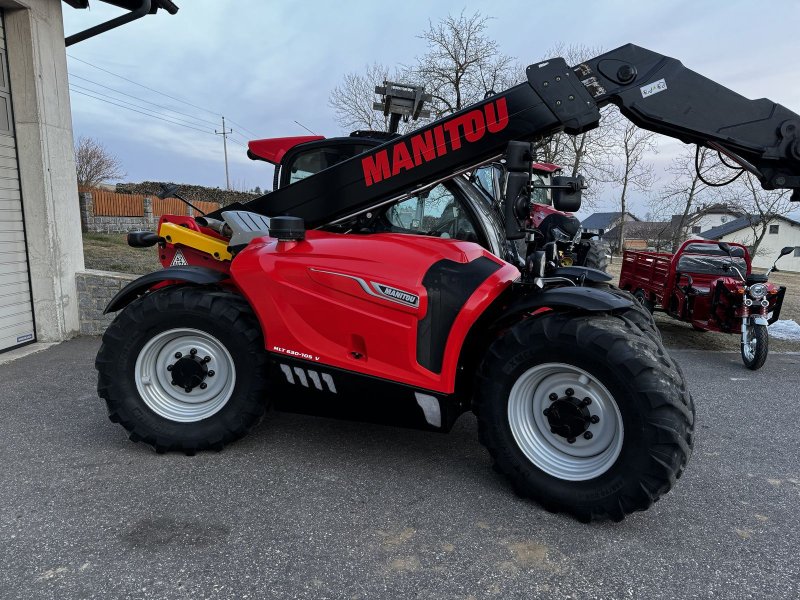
x=306 y=507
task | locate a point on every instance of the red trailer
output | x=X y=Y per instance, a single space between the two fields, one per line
x=710 y=285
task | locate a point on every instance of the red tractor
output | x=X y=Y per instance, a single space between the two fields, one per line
x=343 y=285
x=710 y=285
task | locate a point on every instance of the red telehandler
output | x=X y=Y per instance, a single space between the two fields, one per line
x=342 y=284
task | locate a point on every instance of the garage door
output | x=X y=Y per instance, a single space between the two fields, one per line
x=16 y=310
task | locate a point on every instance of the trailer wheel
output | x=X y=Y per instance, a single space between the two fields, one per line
x=585 y=414
x=755 y=346
x=595 y=254
x=184 y=369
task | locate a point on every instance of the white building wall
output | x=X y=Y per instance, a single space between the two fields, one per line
x=708 y=221
x=43 y=121
x=788 y=235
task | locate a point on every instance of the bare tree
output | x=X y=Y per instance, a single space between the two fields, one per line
x=762 y=206
x=687 y=188
x=461 y=63
x=633 y=171
x=352 y=100
x=591 y=153
x=94 y=164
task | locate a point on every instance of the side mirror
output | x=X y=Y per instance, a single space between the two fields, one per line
x=787 y=250
x=567 y=193
x=724 y=247
x=168 y=190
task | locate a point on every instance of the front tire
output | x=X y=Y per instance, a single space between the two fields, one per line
x=755 y=346
x=640 y=416
x=184 y=369
x=595 y=255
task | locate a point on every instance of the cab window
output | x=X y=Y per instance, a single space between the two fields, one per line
x=484 y=177
x=315 y=160
x=435 y=212
x=540 y=195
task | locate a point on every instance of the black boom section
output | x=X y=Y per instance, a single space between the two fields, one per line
x=449 y=285
x=437 y=151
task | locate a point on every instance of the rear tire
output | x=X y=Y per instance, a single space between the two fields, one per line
x=638 y=390
x=596 y=255
x=756 y=347
x=169 y=397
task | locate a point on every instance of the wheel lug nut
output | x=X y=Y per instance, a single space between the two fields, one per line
x=193 y=351
x=595 y=419
x=188 y=389
x=546 y=411
x=587 y=401
x=173 y=382
x=571 y=440
x=203 y=386
x=211 y=373
x=207 y=359
x=588 y=435
x=178 y=355
x=570 y=392
x=169 y=367
x=553 y=397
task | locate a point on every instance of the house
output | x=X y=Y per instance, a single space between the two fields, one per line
x=704 y=217
x=599 y=223
x=781 y=232
x=41 y=249
x=641 y=235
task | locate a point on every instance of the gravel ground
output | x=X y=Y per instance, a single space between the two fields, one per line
x=306 y=507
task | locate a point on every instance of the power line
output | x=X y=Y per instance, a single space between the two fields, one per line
x=116 y=91
x=143 y=113
x=216 y=114
x=86 y=62
x=76 y=87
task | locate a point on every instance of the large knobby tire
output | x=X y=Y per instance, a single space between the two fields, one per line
x=642 y=436
x=756 y=347
x=209 y=341
x=637 y=313
x=597 y=255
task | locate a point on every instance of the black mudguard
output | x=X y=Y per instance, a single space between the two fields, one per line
x=581 y=298
x=591 y=275
x=188 y=274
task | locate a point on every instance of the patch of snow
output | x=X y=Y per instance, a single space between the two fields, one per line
x=785 y=330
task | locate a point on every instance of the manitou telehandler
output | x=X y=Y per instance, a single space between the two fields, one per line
x=345 y=285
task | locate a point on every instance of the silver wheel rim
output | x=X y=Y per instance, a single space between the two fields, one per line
x=154 y=380
x=749 y=346
x=584 y=458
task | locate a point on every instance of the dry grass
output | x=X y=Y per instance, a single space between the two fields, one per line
x=110 y=252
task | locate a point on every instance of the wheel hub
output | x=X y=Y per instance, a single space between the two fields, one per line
x=189 y=372
x=568 y=417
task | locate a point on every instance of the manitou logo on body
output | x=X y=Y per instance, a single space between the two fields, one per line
x=433 y=143
x=294 y=353
x=397 y=295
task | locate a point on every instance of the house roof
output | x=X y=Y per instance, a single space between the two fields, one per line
x=642 y=230
x=716 y=233
x=713 y=209
x=602 y=220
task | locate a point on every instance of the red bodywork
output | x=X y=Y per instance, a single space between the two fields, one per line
x=316 y=300
x=709 y=301
x=272 y=150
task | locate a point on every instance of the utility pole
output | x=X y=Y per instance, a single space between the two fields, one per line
x=225 y=133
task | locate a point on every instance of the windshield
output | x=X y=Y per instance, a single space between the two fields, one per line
x=710 y=265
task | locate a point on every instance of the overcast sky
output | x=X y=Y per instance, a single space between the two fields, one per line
x=264 y=64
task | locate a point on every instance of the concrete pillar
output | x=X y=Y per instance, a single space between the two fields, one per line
x=86 y=203
x=148 y=210
x=43 y=122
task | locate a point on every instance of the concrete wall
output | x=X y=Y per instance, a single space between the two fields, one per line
x=43 y=122
x=95 y=291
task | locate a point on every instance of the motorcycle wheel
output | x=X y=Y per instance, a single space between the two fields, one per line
x=755 y=346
